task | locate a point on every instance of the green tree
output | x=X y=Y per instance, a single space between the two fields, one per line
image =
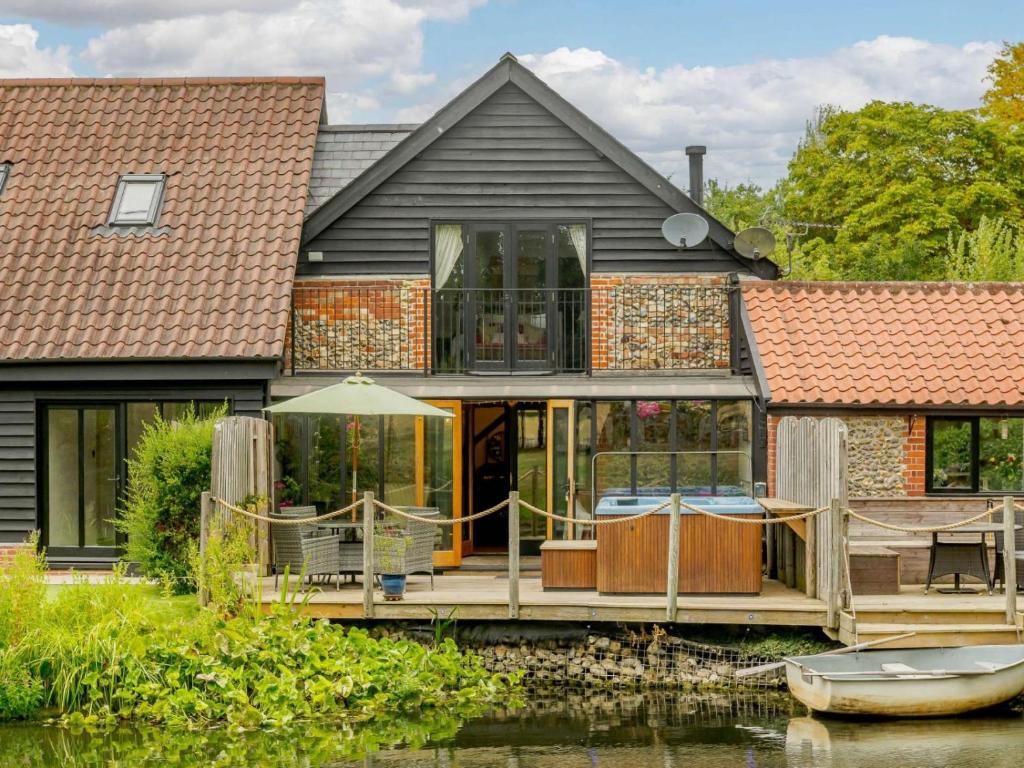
x=895 y=179
x=739 y=207
x=1004 y=100
x=994 y=251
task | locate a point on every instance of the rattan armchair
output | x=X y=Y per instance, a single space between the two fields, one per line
x=299 y=549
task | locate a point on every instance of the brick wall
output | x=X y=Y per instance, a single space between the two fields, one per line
x=885 y=453
x=7 y=551
x=640 y=322
x=652 y=322
x=374 y=324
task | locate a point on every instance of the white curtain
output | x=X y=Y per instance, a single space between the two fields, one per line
x=447 y=249
x=578 y=235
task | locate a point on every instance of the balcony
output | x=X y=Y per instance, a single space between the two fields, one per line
x=407 y=327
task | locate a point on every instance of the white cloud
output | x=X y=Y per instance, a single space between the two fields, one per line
x=108 y=12
x=368 y=49
x=21 y=56
x=751 y=116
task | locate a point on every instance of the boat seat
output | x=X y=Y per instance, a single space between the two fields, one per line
x=898 y=667
x=988 y=666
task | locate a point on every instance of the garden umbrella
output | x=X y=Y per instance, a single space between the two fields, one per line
x=357 y=396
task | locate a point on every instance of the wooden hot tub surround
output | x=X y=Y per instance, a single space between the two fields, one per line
x=715 y=556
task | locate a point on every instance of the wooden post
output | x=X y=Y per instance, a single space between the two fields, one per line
x=1010 y=559
x=205 y=512
x=513 y=554
x=672 y=587
x=368 y=515
x=835 y=567
x=811 y=556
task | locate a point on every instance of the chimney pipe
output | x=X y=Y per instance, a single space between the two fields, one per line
x=696 y=154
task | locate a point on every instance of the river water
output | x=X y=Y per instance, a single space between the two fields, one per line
x=622 y=730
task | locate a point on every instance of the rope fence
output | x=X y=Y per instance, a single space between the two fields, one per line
x=283 y=520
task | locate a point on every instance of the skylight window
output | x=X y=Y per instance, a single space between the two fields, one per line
x=5 y=171
x=138 y=199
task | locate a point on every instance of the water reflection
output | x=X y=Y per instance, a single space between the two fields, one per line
x=587 y=730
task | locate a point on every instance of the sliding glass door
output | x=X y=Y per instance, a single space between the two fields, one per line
x=83 y=480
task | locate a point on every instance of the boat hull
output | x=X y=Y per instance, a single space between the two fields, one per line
x=907 y=695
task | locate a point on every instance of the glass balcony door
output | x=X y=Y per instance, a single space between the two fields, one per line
x=515 y=300
x=82 y=480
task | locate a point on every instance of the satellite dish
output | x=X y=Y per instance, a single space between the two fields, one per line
x=685 y=230
x=754 y=243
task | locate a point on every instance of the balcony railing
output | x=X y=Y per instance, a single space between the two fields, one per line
x=628 y=327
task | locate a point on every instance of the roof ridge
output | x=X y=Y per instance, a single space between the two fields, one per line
x=165 y=81
x=367 y=127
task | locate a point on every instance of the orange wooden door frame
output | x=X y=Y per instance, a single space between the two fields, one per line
x=453 y=556
x=570 y=462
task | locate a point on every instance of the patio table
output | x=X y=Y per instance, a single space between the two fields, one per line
x=961 y=557
x=342 y=527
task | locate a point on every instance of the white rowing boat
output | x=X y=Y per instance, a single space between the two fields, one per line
x=925 y=682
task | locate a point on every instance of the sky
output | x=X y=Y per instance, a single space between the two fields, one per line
x=740 y=76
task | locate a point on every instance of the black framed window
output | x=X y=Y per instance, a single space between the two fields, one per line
x=975 y=454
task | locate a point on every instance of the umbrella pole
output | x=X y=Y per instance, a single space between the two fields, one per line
x=355 y=461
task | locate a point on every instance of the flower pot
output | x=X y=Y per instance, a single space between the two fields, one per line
x=394 y=585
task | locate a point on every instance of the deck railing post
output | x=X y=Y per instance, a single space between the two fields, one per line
x=368 y=554
x=513 y=554
x=205 y=510
x=1010 y=559
x=835 y=555
x=672 y=587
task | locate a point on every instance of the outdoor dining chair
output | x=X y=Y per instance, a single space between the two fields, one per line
x=299 y=549
x=420 y=556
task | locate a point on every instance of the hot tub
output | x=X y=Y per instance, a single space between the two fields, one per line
x=715 y=556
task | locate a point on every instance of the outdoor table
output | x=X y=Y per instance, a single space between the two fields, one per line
x=342 y=527
x=961 y=557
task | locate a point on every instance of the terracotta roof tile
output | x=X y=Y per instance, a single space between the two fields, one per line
x=213 y=279
x=943 y=344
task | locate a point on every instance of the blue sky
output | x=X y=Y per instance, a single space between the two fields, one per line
x=740 y=76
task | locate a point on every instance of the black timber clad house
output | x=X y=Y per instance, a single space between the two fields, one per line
x=505 y=260
x=158 y=278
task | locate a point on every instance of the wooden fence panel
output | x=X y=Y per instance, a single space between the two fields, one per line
x=243 y=465
x=811 y=469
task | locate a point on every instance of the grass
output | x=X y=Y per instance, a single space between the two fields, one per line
x=150 y=598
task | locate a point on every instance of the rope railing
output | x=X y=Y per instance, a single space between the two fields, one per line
x=578 y=521
x=440 y=520
x=753 y=520
x=918 y=529
x=285 y=521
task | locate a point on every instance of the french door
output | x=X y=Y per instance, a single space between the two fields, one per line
x=516 y=294
x=82 y=480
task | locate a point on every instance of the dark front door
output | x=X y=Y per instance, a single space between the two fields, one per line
x=82 y=479
x=491 y=474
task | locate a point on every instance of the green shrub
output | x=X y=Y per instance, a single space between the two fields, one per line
x=22 y=592
x=21 y=694
x=167 y=474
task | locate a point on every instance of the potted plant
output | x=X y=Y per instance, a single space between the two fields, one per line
x=390 y=547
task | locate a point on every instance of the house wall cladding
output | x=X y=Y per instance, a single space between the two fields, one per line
x=19 y=444
x=508 y=159
x=885 y=453
x=639 y=322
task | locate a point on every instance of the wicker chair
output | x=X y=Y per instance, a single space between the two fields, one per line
x=420 y=556
x=1000 y=572
x=299 y=549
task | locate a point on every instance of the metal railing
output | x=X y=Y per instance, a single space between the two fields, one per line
x=629 y=327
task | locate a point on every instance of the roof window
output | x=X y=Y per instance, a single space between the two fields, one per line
x=138 y=199
x=5 y=171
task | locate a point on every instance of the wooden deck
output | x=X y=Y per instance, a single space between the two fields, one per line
x=485 y=597
x=937 y=619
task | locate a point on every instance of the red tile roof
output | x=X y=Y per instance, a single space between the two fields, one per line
x=940 y=344
x=213 y=279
